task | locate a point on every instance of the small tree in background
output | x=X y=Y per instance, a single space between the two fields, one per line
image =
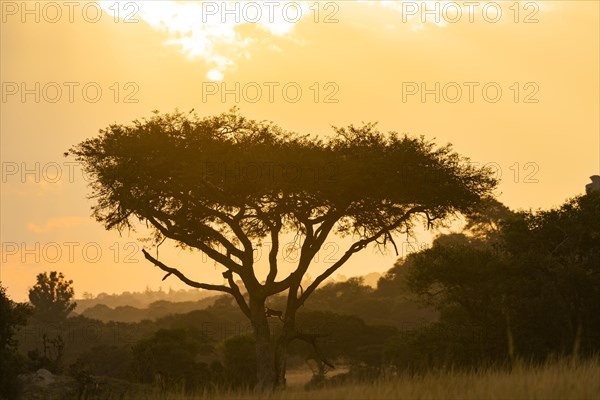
x=52 y=297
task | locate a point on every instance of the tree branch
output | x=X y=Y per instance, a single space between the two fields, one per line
x=311 y=245
x=388 y=237
x=233 y=224
x=235 y=291
x=312 y=339
x=183 y=278
x=355 y=247
x=212 y=253
x=318 y=220
x=273 y=253
x=209 y=232
x=239 y=232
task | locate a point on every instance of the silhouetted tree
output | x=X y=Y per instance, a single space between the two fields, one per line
x=223 y=184
x=563 y=245
x=527 y=289
x=485 y=221
x=52 y=296
x=12 y=317
x=52 y=299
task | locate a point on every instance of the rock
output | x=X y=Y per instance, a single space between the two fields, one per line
x=43 y=377
x=594 y=186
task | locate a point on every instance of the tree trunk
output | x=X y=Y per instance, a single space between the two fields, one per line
x=288 y=333
x=265 y=349
x=280 y=359
x=270 y=351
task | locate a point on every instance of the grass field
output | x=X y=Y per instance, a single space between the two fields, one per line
x=559 y=380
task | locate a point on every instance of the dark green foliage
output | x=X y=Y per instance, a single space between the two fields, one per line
x=12 y=317
x=169 y=358
x=52 y=297
x=390 y=304
x=180 y=166
x=52 y=300
x=239 y=361
x=342 y=337
x=560 y=249
x=105 y=360
x=443 y=345
x=50 y=356
x=529 y=289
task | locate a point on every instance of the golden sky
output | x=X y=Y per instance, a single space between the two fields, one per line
x=515 y=84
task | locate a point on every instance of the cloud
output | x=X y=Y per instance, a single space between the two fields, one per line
x=210 y=29
x=58 y=223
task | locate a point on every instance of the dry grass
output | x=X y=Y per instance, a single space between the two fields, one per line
x=559 y=380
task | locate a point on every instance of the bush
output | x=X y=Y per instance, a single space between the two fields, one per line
x=106 y=360
x=239 y=358
x=168 y=359
x=12 y=317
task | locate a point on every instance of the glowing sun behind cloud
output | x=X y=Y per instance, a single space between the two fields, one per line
x=215 y=31
x=210 y=29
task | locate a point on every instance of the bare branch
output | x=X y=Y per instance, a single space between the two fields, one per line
x=235 y=291
x=231 y=248
x=232 y=222
x=212 y=253
x=183 y=278
x=239 y=232
x=327 y=224
x=207 y=231
x=318 y=220
x=311 y=245
x=273 y=253
x=312 y=339
x=390 y=238
x=355 y=247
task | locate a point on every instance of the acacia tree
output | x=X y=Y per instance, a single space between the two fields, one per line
x=225 y=183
